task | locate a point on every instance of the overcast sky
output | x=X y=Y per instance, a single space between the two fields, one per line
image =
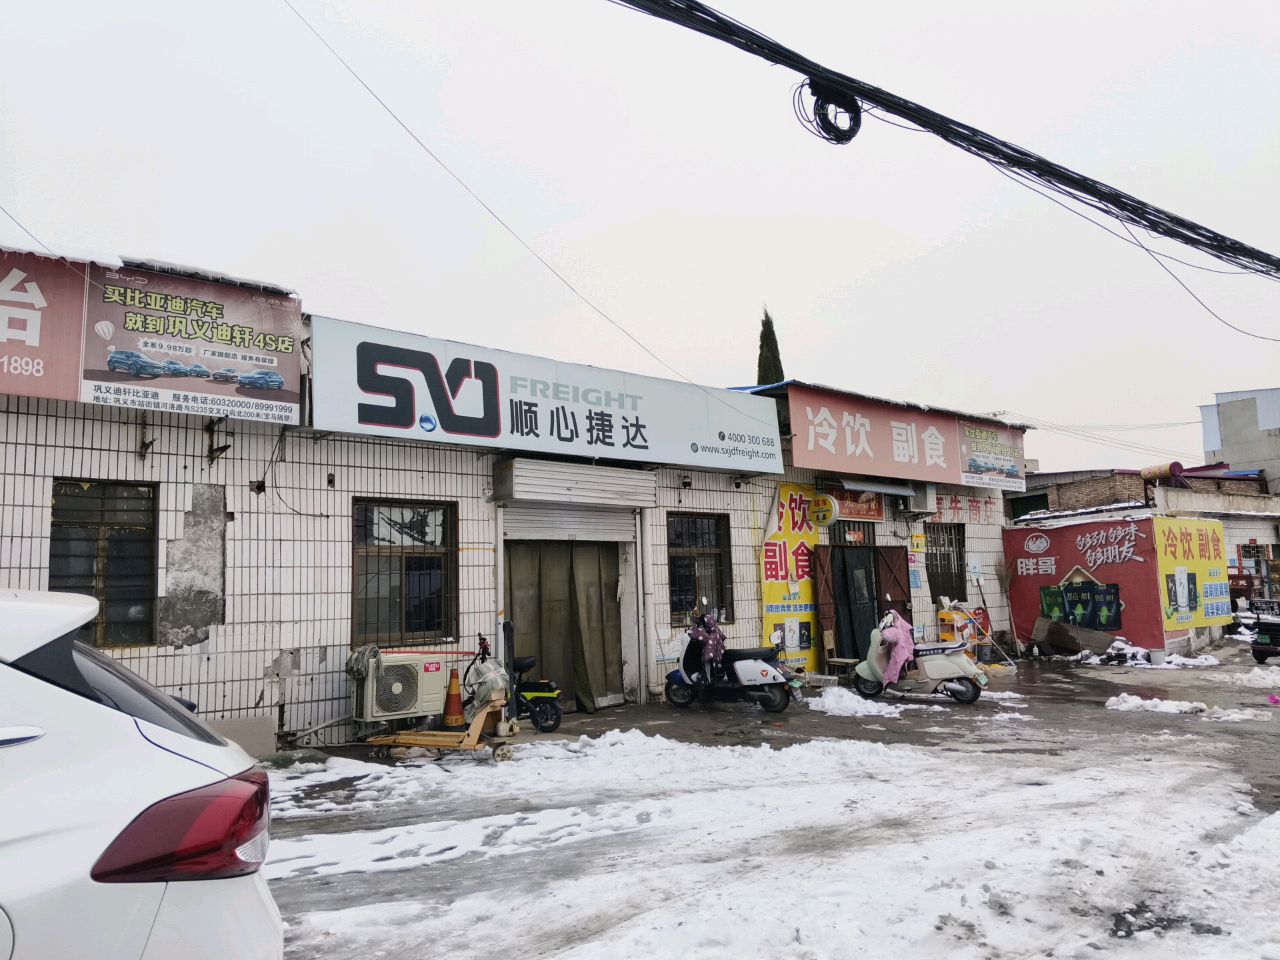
x=665 y=175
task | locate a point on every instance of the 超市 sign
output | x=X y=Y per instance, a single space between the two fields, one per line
x=400 y=385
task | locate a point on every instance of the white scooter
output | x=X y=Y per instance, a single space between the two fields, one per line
x=756 y=674
x=937 y=668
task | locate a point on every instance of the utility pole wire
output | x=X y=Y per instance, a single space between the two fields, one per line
x=832 y=89
x=476 y=197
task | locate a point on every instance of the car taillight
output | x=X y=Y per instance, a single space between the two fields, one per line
x=210 y=833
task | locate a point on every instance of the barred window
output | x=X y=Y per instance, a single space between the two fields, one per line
x=700 y=564
x=405 y=572
x=944 y=560
x=103 y=544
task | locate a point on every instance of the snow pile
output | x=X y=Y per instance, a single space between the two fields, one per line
x=1126 y=654
x=1242 y=634
x=1235 y=715
x=1259 y=678
x=1177 y=660
x=1012 y=715
x=1002 y=695
x=840 y=702
x=1128 y=703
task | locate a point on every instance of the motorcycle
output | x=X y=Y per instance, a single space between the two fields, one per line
x=935 y=668
x=755 y=674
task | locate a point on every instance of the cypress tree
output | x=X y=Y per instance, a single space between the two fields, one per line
x=769 y=361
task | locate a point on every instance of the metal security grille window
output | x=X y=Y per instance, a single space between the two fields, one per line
x=406 y=572
x=103 y=543
x=700 y=565
x=944 y=560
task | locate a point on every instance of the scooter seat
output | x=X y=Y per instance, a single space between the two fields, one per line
x=938 y=649
x=524 y=664
x=751 y=653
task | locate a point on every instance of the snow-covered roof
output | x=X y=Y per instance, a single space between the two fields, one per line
x=1058 y=518
x=104 y=259
x=778 y=389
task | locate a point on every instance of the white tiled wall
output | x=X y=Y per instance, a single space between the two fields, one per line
x=288 y=550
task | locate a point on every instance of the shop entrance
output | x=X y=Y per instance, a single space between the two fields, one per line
x=853 y=587
x=563 y=598
x=856 y=587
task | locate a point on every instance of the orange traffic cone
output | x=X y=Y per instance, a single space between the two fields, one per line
x=454 y=718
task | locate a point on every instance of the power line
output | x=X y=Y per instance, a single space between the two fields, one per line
x=506 y=226
x=834 y=91
x=1209 y=310
x=1112 y=442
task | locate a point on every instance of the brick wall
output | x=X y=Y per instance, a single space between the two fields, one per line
x=1121 y=487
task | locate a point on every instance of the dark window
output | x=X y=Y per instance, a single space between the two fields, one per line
x=1021 y=506
x=700 y=563
x=103 y=543
x=406 y=570
x=944 y=560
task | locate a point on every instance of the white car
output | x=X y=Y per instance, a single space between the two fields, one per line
x=128 y=829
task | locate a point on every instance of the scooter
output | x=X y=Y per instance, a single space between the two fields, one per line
x=936 y=668
x=539 y=700
x=754 y=674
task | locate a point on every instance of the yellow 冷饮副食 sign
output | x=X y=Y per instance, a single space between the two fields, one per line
x=786 y=576
x=1191 y=560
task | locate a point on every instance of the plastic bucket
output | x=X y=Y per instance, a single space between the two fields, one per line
x=1157 y=657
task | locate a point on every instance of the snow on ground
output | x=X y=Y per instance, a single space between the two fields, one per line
x=1261 y=678
x=637 y=846
x=1128 y=703
x=843 y=702
x=1126 y=654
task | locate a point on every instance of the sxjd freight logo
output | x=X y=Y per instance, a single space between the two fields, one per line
x=376 y=364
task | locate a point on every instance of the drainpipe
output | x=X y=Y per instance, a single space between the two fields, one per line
x=499 y=582
x=642 y=618
x=646 y=578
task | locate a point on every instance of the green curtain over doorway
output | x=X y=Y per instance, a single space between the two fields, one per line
x=562 y=599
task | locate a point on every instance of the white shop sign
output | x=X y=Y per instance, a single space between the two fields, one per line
x=411 y=387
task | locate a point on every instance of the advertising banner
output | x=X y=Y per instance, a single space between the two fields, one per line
x=411 y=387
x=161 y=342
x=786 y=577
x=857 y=505
x=41 y=326
x=1194 y=588
x=856 y=435
x=1099 y=575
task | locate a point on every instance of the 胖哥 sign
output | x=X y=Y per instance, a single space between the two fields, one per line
x=858 y=435
x=412 y=387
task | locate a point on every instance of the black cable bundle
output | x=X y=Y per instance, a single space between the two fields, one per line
x=839 y=102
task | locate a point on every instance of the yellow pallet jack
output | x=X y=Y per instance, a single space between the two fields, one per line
x=487 y=731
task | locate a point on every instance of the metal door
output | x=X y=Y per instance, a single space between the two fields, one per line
x=853 y=582
x=893 y=581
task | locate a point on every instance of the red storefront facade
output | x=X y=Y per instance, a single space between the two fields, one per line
x=1102 y=575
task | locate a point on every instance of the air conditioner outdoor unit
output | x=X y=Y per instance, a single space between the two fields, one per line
x=401 y=685
x=923 y=502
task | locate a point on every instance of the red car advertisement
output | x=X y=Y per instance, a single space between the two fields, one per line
x=1101 y=575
